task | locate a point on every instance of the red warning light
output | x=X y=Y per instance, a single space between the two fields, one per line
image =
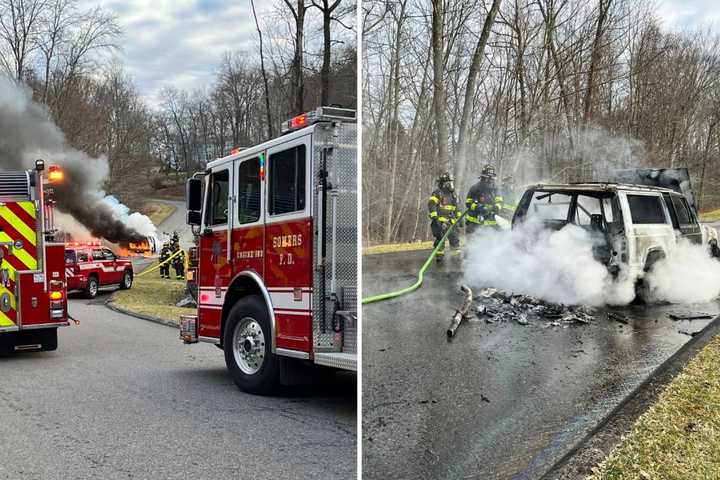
x=299 y=121
x=55 y=174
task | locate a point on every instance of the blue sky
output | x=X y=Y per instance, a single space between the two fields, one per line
x=181 y=42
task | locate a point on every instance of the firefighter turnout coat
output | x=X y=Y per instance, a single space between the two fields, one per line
x=442 y=206
x=483 y=202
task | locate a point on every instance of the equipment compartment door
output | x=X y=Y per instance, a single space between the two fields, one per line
x=215 y=267
x=18 y=237
x=288 y=241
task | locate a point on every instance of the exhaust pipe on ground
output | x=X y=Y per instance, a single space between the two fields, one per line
x=460 y=313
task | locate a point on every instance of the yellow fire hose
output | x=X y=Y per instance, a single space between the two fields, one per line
x=421 y=274
x=163 y=263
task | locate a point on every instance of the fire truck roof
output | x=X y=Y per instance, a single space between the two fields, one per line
x=311 y=120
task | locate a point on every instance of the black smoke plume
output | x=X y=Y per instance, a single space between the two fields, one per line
x=27 y=133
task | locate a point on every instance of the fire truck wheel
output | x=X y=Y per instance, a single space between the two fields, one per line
x=127 y=280
x=247 y=347
x=91 y=290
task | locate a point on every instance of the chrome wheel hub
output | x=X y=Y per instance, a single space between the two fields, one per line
x=249 y=345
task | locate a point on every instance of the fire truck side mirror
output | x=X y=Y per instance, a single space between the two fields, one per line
x=193 y=196
x=193 y=217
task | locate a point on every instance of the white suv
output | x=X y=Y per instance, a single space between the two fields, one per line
x=640 y=224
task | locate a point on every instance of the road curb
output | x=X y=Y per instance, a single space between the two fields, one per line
x=168 y=323
x=624 y=415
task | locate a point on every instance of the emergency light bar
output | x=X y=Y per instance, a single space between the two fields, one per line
x=321 y=114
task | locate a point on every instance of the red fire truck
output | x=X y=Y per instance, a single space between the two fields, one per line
x=277 y=251
x=32 y=270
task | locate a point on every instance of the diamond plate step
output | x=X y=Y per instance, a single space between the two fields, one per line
x=345 y=361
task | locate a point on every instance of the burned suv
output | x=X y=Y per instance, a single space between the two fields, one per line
x=636 y=225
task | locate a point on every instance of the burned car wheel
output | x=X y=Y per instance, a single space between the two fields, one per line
x=247 y=343
x=643 y=292
x=714 y=249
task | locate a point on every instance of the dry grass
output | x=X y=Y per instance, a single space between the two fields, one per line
x=158 y=211
x=153 y=296
x=397 y=247
x=678 y=437
x=711 y=216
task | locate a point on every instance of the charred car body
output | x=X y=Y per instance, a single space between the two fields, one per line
x=635 y=225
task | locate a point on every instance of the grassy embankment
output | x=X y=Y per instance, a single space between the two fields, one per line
x=158 y=211
x=151 y=295
x=679 y=436
x=710 y=216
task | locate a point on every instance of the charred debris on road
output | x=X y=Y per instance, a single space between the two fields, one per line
x=494 y=305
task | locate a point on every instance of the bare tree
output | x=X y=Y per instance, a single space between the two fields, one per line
x=327 y=8
x=264 y=75
x=438 y=47
x=298 y=13
x=20 y=22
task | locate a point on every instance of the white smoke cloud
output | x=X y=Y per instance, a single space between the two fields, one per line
x=559 y=266
x=135 y=220
x=66 y=223
x=686 y=275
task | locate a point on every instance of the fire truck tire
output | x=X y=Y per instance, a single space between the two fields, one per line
x=247 y=344
x=91 y=290
x=127 y=280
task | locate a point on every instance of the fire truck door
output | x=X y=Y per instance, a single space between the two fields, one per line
x=289 y=241
x=215 y=266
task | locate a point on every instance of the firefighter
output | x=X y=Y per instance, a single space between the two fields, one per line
x=483 y=201
x=507 y=191
x=164 y=255
x=443 y=213
x=179 y=263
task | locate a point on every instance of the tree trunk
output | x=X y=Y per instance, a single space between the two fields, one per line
x=439 y=101
x=264 y=75
x=470 y=89
x=604 y=7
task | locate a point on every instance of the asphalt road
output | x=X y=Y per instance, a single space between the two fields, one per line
x=500 y=401
x=123 y=398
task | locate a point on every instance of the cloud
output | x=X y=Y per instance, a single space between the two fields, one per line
x=689 y=14
x=180 y=43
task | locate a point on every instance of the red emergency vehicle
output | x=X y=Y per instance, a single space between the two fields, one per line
x=90 y=266
x=33 y=301
x=277 y=266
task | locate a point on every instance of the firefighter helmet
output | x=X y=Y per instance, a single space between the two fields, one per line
x=445 y=181
x=488 y=172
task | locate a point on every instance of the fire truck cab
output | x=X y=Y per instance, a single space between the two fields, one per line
x=277 y=251
x=90 y=266
x=33 y=299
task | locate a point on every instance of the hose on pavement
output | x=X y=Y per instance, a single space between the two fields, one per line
x=421 y=273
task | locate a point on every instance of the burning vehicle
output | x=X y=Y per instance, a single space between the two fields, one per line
x=634 y=225
x=147 y=246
